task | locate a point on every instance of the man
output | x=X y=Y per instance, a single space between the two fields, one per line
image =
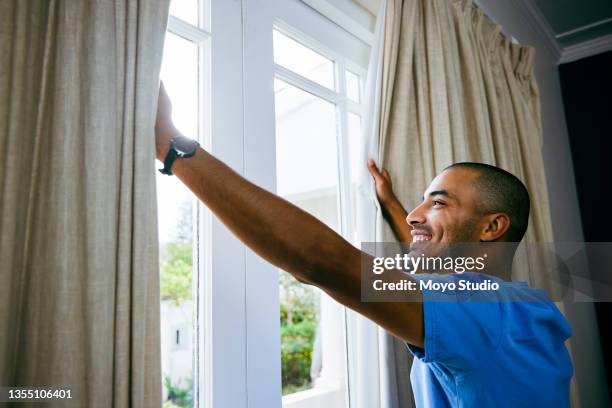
x=469 y=354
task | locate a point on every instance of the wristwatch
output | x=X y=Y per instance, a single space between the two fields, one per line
x=180 y=148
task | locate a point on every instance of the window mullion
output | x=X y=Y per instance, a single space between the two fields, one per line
x=354 y=107
x=187 y=31
x=343 y=153
x=203 y=248
x=306 y=84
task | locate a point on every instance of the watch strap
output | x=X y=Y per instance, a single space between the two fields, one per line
x=168 y=161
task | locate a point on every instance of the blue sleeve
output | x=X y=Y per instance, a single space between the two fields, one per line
x=459 y=334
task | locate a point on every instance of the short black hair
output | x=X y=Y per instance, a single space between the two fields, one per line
x=502 y=192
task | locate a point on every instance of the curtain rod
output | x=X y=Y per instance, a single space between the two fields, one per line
x=489 y=15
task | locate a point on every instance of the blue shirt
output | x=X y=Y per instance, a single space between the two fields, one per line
x=500 y=348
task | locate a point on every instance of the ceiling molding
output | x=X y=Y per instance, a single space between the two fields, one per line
x=562 y=54
x=534 y=16
x=538 y=21
x=585 y=27
x=586 y=49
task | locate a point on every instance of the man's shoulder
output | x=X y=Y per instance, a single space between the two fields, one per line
x=476 y=287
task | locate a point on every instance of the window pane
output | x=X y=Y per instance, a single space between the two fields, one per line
x=306 y=166
x=303 y=60
x=352 y=86
x=354 y=137
x=185 y=10
x=306 y=153
x=180 y=75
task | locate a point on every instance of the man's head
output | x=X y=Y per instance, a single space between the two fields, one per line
x=471 y=202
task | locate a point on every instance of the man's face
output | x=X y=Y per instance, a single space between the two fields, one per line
x=448 y=213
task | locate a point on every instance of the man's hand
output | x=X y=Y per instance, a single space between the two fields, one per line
x=164 y=128
x=384 y=187
x=393 y=210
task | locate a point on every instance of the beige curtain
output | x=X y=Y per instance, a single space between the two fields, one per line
x=454 y=88
x=460 y=91
x=79 y=291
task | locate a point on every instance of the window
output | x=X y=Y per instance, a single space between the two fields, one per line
x=251 y=90
x=184 y=73
x=302 y=60
x=318 y=120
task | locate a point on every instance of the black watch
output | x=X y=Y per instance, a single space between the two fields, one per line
x=180 y=147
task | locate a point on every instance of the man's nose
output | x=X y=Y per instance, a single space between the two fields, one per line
x=416 y=216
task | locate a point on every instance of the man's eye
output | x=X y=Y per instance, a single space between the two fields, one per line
x=437 y=203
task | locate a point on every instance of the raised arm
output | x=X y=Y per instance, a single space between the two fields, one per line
x=285 y=235
x=393 y=211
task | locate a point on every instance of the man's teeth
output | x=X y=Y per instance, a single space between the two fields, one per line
x=422 y=238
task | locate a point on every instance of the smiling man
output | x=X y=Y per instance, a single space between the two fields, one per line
x=505 y=348
x=500 y=353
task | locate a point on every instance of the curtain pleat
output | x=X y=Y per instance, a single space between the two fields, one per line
x=456 y=89
x=79 y=300
x=460 y=91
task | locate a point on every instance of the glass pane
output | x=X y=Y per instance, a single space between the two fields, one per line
x=303 y=60
x=306 y=168
x=180 y=75
x=306 y=153
x=354 y=137
x=352 y=86
x=186 y=10
x=357 y=164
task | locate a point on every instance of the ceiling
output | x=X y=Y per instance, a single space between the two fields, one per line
x=574 y=21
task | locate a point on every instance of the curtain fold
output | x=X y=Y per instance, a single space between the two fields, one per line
x=453 y=88
x=79 y=300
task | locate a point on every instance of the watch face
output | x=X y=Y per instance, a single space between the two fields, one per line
x=184 y=146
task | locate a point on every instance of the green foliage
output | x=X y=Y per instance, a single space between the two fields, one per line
x=296 y=354
x=178 y=396
x=290 y=388
x=299 y=305
x=176 y=273
x=298 y=302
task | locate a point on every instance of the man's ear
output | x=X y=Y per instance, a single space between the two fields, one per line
x=495 y=227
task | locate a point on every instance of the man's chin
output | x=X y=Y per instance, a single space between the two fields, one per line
x=422 y=248
x=429 y=249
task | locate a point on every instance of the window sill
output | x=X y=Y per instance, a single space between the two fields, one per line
x=315 y=398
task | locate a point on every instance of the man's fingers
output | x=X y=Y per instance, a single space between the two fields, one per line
x=386 y=175
x=162 y=92
x=164 y=105
x=163 y=96
x=373 y=169
x=163 y=119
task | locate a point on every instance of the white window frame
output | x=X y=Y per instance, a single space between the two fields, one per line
x=343 y=105
x=201 y=36
x=220 y=260
x=330 y=310
x=293 y=18
x=237 y=322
